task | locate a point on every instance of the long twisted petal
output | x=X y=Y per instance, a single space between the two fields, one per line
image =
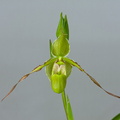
x=36 y=69
x=94 y=81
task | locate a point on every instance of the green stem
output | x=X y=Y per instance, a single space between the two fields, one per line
x=67 y=106
x=64 y=103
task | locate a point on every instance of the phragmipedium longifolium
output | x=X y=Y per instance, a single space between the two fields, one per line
x=59 y=66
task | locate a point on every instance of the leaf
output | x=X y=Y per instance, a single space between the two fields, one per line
x=117 y=117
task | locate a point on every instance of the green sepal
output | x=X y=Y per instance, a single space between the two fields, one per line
x=60 y=46
x=63 y=27
x=58 y=83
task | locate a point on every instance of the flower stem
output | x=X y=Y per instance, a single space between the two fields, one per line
x=67 y=106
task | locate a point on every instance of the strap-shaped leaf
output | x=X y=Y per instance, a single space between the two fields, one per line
x=117 y=117
x=36 y=69
x=79 y=67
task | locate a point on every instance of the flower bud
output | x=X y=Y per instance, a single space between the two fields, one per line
x=63 y=27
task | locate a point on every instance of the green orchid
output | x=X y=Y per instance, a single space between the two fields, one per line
x=59 y=66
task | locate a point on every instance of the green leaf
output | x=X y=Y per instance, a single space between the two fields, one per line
x=117 y=117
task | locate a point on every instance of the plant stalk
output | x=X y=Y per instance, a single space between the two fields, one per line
x=67 y=106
